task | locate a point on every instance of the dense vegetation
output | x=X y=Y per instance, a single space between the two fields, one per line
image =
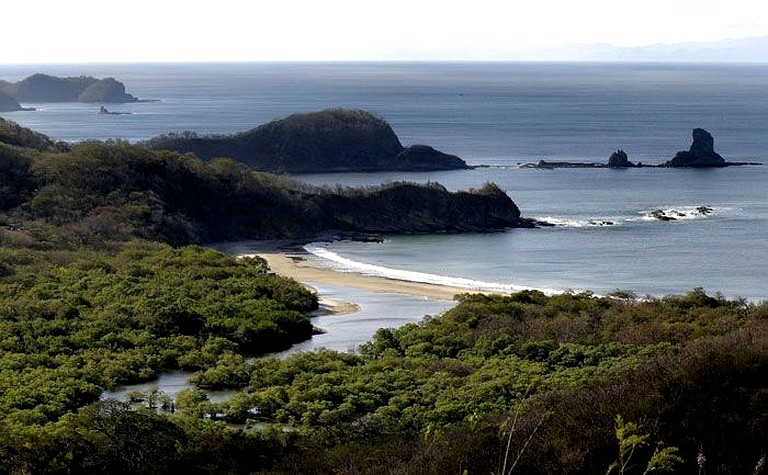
x=117 y=191
x=317 y=142
x=12 y=133
x=517 y=384
x=96 y=320
x=94 y=295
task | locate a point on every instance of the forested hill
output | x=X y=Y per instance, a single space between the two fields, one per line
x=525 y=383
x=12 y=133
x=117 y=191
x=47 y=88
x=326 y=141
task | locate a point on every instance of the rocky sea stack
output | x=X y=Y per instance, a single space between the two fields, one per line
x=619 y=159
x=333 y=140
x=701 y=154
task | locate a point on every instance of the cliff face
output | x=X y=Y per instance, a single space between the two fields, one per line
x=408 y=208
x=326 y=141
x=700 y=155
x=45 y=88
x=107 y=90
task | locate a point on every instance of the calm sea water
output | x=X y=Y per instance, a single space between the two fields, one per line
x=502 y=115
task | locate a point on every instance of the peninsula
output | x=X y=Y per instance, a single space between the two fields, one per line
x=45 y=88
x=179 y=199
x=332 y=140
x=8 y=103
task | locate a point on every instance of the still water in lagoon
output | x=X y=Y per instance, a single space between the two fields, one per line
x=342 y=332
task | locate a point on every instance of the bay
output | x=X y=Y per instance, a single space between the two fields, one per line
x=502 y=115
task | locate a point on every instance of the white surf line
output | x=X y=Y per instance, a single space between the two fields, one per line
x=348 y=265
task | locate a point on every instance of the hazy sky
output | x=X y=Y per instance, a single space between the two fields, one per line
x=63 y=31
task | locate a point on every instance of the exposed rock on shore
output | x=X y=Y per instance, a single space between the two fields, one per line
x=333 y=140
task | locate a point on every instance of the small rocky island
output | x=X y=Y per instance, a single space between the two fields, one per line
x=46 y=88
x=332 y=140
x=619 y=159
x=674 y=215
x=701 y=154
x=104 y=111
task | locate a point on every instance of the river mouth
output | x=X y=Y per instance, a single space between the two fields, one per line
x=363 y=313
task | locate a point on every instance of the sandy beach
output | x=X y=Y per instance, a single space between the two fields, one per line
x=308 y=271
x=289 y=259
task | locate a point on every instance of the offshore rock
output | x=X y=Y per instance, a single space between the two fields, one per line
x=701 y=154
x=619 y=159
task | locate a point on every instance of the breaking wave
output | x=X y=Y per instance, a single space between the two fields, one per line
x=666 y=213
x=344 y=264
x=579 y=223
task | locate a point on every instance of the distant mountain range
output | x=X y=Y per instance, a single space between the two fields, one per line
x=748 y=50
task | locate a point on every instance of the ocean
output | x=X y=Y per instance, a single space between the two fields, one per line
x=498 y=116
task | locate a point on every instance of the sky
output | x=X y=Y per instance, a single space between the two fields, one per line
x=76 y=31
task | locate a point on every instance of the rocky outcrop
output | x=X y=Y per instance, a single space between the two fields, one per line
x=619 y=159
x=424 y=157
x=8 y=103
x=333 y=140
x=45 y=88
x=108 y=90
x=674 y=215
x=701 y=154
x=399 y=208
x=545 y=165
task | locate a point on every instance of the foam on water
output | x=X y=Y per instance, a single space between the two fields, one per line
x=682 y=213
x=671 y=213
x=344 y=264
x=579 y=223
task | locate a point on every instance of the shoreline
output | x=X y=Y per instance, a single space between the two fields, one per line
x=289 y=259
x=307 y=271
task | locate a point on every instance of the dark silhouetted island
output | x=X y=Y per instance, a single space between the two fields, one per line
x=333 y=140
x=619 y=159
x=104 y=111
x=45 y=88
x=700 y=155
